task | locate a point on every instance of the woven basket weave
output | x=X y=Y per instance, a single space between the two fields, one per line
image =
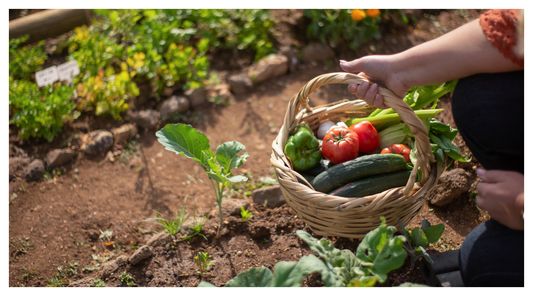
x=329 y=215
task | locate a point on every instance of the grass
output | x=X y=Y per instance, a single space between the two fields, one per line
x=196 y=225
x=203 y=262
x=172 y=226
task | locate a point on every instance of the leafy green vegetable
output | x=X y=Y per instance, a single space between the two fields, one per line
x=419 y=238
x=442 y=135
x=187 y=141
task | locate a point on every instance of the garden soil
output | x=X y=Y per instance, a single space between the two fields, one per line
x=59 y=227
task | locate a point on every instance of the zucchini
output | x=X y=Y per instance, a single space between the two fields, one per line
x=356 y=169
x=308 y=178
x=372 y=185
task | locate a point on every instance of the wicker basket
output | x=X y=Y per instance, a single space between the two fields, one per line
x=329 y=215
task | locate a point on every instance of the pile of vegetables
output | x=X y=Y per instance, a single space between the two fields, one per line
x=368 y=155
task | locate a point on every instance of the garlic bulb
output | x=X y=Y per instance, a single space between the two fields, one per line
x=324 y=128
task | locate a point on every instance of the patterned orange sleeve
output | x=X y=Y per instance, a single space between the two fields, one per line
x=500 y=27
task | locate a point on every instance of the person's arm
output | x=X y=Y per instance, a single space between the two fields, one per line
x=462 y=52
x=501 y=194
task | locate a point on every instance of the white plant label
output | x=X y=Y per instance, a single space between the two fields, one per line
x=47 y=76
x=68 y=70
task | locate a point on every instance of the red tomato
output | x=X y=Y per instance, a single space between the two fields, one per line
x=368 y=136
x=398 y=149
x=340 y=145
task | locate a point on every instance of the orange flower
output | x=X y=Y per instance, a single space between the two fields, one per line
x=358 y=14
x=373 y=12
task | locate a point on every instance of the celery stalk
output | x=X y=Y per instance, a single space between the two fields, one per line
x=393 y=118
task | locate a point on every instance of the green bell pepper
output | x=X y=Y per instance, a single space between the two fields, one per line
x=303 y=148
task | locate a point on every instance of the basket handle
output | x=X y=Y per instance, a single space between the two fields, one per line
x=423 y=153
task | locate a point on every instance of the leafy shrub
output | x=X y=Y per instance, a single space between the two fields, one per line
x=354 y=27
x=24 y=61
x=39 y=113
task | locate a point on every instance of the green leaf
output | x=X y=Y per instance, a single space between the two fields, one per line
x=253 y=277
x=433 y=233
x=419 y=237
x=227 y=157
x=187 y=141
x=448 y=147
x=203 y=45
x=206 y=285
x=405 y=232
x=425 y=224
x=364 y=281
x=380 y=252
x=426 y=255
x=290 y=274
x=324 y=249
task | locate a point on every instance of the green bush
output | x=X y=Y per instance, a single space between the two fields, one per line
x=331 y=26
x=24 y=61
x=39 y=113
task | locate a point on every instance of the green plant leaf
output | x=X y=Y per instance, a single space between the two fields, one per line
x=433 y=233
x=419 y=237
x=290 y=274
x=206 y=285
x=187 y=141
x=227 y=155
x=405 y=232
x=425 y=224
x=426 y=255
x=364 y=281
x=253 y=277
x=380 y=252
x=324 y=249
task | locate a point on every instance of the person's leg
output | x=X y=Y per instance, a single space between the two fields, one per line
x=488 y=110
x=492 y=255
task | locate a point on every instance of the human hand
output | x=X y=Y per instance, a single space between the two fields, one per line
x=377 y=68
x=501 y=194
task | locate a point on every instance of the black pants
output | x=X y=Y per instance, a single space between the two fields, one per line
x=489 y=112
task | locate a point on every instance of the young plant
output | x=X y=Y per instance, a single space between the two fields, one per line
x=172 y=226
x=420 y=238
x=245 y=214
x=97 y=283
x=126 y=278
x=203 y=262
x=196 y=225
x=379 y=253
x=187 y=141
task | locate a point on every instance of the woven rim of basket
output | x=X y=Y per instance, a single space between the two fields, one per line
x=341 y=216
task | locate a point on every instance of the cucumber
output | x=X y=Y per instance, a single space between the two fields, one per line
x=356 y=169
x=321 y=167
x=308 y=178
x=372 y=185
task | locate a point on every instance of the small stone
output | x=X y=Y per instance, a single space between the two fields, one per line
x=17 y=163
x=268 y=67
x=96 y=142
x=240 y=83
x=59 y=157
x=317 y=52
x=233 y=206
x=146 y=118
x=142 y=253
x=274 y=130
x=197 y=96
x=222 y=91
x=272 y=195
x=174 y=105
x=34 y=171
x=122 y=133
x=451 y=185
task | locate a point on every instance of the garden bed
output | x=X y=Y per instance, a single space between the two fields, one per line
x=59 y=230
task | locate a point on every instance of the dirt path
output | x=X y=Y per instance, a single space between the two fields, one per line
x=57 y=223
